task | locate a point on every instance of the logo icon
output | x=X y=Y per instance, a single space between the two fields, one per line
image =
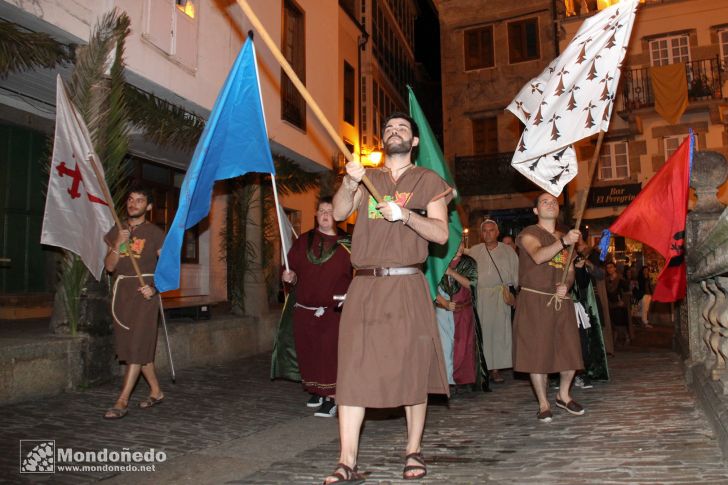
x=37 y=456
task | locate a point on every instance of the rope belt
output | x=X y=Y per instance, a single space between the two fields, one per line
x=318 y=310
x=401 y=271
x=554 y=299
x=113 y=297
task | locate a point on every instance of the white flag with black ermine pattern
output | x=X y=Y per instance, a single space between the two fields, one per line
x=572 y=98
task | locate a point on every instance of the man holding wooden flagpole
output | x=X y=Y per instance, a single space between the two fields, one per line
x=135 y=307
x=79 y=211
x=410 y=363
x=545 y=333
x=389 y=346
x=570 y=100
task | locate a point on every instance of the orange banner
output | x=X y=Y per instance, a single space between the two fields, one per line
x=670 y=86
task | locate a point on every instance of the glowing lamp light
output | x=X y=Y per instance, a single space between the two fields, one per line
x=372 y=159
x=187 y=7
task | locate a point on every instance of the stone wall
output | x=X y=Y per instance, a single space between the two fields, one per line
x=32 y=368
x=702 y=336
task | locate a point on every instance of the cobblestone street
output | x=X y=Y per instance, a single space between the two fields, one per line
x=230 y=424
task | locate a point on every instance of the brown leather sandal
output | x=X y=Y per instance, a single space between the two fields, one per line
x=410 y=468
x=116 y=413
x=151 y=402
x=350 y=476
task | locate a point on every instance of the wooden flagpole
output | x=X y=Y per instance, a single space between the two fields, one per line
x=243 y=4
x=280 y=222
x=110 y=202
x=582 y=200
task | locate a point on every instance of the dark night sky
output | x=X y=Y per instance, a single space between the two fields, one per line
x=427 y=52
x=427 y=39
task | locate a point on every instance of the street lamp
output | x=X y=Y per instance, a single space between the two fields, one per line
x=371 y=158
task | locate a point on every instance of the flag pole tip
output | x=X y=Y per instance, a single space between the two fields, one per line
x=250 y=34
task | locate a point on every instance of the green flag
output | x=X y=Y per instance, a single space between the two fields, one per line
x=430 y=156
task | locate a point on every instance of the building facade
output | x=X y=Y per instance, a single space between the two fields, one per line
x=388 y=64
x=692 y=33
x=489 y=54
x=180 y=51
x=489 y=51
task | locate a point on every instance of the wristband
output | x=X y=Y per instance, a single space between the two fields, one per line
x=563 y=244
x=396 y=211
x=409 y=214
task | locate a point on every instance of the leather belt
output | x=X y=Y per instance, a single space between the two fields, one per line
x=401 y=271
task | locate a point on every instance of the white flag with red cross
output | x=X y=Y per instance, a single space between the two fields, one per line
x=76 y=215
x=572 y=99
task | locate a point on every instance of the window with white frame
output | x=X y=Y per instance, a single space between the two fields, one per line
x=723 y=41
x=171 y=25
x=672 y=143
x=670 y=50
x=614 y=161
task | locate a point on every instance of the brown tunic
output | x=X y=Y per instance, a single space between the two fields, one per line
x=389 y=346
x=137 y=344
x=544 y=340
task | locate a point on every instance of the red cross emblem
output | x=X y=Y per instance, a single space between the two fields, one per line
x=77 y=180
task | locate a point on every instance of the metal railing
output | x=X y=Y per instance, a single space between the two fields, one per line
x=576 y=9
x=704 y=79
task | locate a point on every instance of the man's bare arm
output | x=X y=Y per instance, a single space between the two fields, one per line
x=433 y=227
x=541 y=254
x=348 y=196
x=458 y=277
x=347 y=199
x=112 y=255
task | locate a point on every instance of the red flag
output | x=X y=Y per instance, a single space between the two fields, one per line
x=657 y=216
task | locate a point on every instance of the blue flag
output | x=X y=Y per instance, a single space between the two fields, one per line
x=234 y=142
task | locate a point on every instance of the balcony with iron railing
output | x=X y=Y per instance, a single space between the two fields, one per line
x=704 y=78
x=489 y=175
x=579 y=9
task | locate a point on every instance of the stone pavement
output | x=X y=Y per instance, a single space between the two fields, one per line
x=230 y=424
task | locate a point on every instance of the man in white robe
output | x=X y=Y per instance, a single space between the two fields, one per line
x=497 y=268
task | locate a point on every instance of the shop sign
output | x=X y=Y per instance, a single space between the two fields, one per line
x=613 y=195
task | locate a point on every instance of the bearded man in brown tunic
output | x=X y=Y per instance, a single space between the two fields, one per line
x=389 y=345
x=545 y=333
x=135 y=307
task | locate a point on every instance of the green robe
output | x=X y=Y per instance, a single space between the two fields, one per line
x=595 y=362
x=469 y=268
